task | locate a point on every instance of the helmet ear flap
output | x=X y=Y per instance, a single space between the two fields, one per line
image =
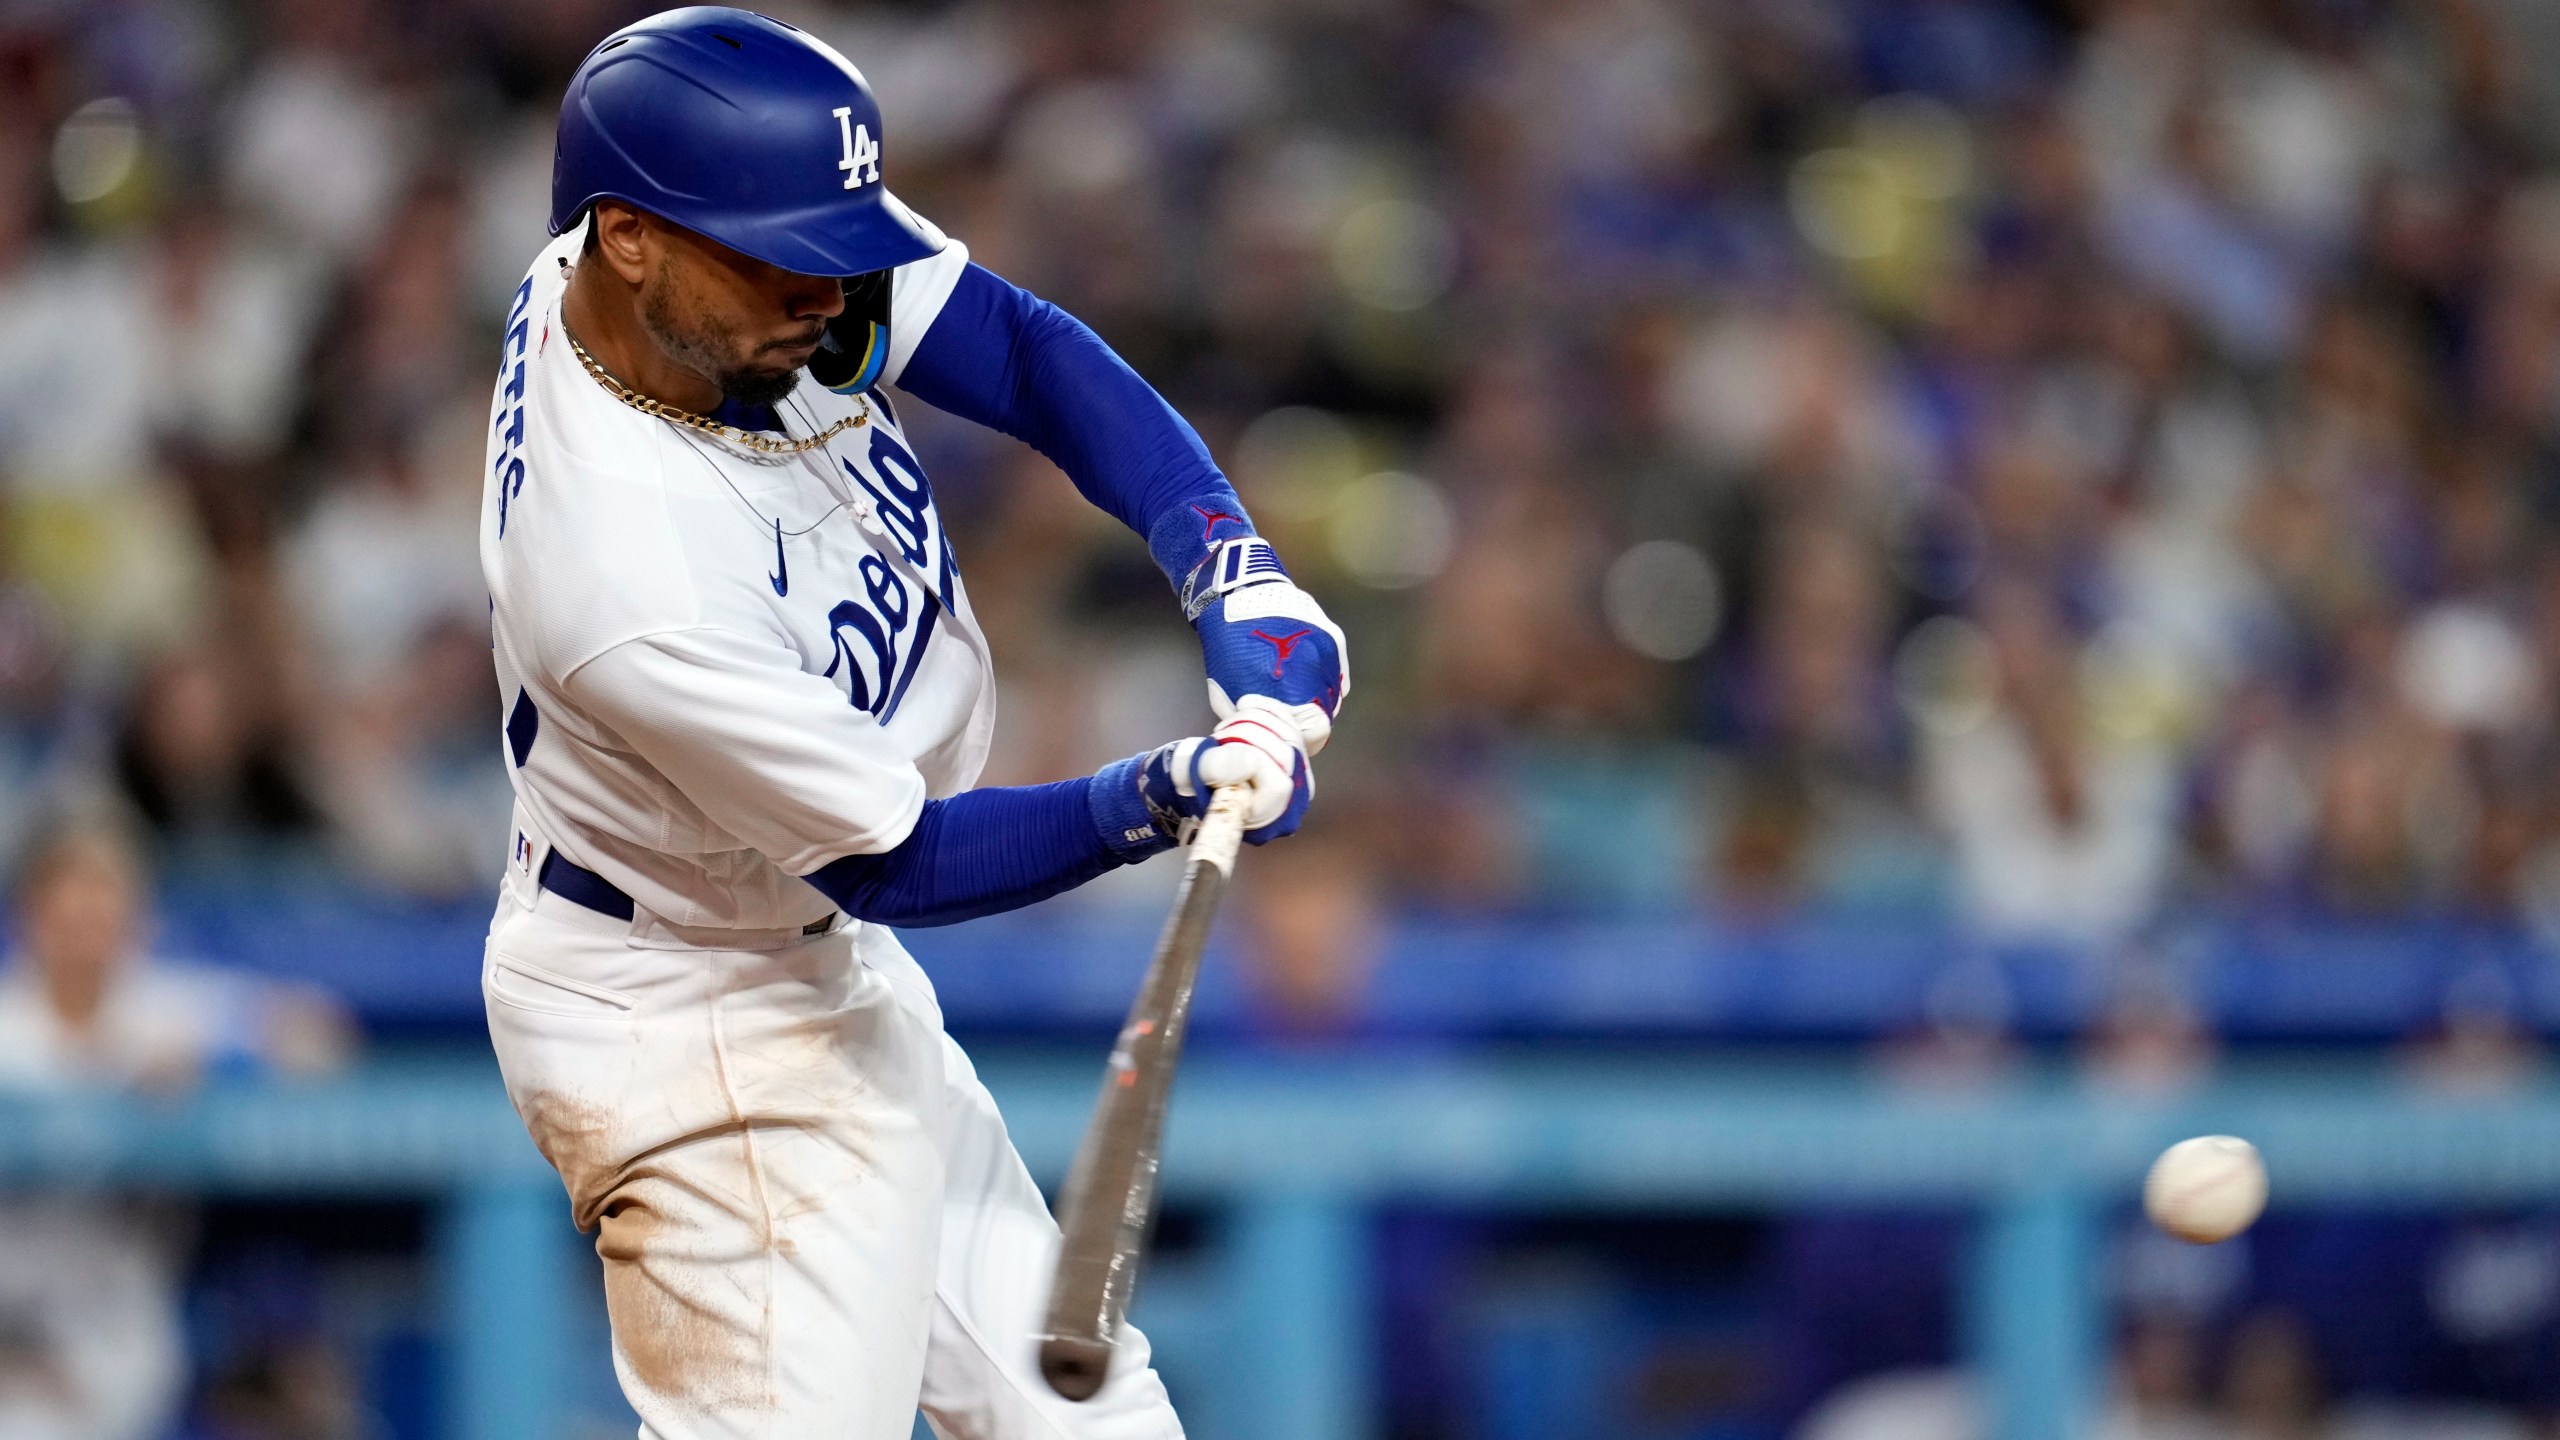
x=855 y=348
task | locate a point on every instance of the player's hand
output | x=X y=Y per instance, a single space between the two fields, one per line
x=1257 y=747
x=1263 y=636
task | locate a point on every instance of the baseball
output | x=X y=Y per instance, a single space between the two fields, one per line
x=2206 y=1190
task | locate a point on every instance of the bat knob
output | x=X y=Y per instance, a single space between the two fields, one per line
x=1075 y=1365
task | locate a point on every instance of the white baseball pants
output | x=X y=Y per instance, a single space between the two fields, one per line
x=811 y=1218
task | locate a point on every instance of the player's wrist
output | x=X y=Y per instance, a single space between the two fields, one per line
x=1117 y=800
x=1186 y=532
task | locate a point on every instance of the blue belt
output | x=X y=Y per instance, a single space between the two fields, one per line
x=574 y=882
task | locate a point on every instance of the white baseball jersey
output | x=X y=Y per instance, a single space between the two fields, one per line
x=721 y=670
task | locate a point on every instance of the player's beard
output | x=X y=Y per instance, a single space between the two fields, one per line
x=709 y=349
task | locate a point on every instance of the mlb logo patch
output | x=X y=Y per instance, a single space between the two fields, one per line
x=522 y=859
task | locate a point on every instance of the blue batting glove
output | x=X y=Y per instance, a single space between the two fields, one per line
x=1259 y=633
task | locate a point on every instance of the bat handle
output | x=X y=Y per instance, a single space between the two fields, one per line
x=1221 y=830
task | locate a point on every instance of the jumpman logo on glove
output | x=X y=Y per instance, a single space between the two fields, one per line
x=1281 y=645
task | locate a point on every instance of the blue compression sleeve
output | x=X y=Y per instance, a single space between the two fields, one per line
x=1013 y=362
x=986 y=851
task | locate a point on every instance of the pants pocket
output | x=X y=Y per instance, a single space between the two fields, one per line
x=527 y=986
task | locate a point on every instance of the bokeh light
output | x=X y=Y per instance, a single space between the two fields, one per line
x=1295 y=459
x=1946 y=676
x=1394 y=254
x=1662 y=601
x=1848 y=204
x=97 y=150
x=1391 y=531
x=2465 y=667
x=1922 y=141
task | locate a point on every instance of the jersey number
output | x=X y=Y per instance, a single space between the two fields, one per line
x=861 y=160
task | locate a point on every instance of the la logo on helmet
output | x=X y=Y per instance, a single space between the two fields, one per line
x=861 y=155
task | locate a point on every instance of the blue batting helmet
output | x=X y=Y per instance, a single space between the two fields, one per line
x=740 y=128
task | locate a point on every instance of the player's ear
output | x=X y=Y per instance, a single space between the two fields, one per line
x=621 y=239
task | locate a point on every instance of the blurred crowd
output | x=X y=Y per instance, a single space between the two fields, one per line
x=2048 y=461
x=2054 y=464
x=2343 y=1326
x=92 y=1340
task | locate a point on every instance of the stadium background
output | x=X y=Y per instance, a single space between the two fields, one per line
x=1906 y=556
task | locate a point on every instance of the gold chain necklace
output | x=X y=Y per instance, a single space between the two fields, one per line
x=704 y=423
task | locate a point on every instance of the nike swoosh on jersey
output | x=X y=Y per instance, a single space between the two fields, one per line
x=781 y=576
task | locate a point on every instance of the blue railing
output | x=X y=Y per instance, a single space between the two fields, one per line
x=1295 y=1155
x=1072 y=968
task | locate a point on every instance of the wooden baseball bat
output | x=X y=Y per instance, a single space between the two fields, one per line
x=1111 y=1191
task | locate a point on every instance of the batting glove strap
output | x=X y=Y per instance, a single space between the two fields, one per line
x=1229 y=566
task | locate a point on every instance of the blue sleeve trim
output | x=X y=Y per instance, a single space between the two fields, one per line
x=978 y=853
x=1009 y=360
x=1120 y=811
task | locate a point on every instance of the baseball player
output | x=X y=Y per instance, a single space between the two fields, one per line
x=746 y=700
